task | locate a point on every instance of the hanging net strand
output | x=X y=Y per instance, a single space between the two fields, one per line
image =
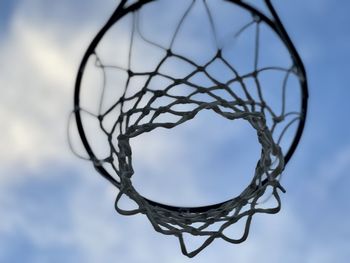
x=141 y=112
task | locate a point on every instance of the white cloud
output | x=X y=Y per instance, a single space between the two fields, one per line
x=37 y=83
x=36 y=95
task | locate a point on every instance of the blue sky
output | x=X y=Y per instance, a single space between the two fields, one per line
x=55 y=208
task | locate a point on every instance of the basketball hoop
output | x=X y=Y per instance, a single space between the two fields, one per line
x=135 y=118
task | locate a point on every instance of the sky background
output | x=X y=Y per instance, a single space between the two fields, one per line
x=55 y=208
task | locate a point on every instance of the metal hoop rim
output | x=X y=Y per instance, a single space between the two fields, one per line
x=276 y=25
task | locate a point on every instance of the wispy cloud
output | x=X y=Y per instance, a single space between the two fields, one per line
x=54 y=206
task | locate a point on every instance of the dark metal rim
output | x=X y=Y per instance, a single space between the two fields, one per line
x=276 y=25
